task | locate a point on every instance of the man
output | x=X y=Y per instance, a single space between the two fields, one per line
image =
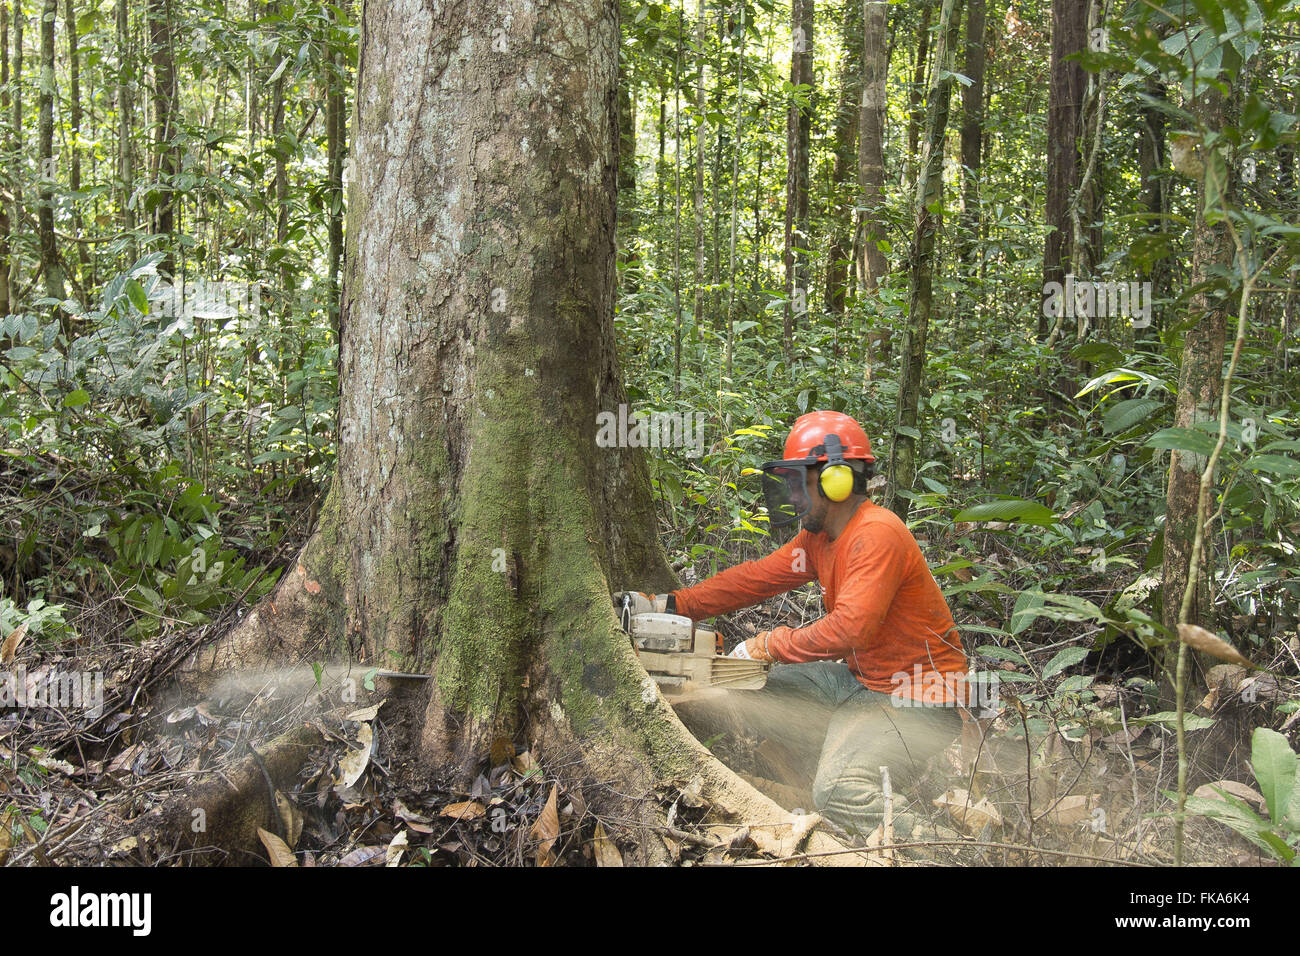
x=875 y=682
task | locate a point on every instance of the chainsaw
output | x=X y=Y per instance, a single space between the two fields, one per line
x=684 y=658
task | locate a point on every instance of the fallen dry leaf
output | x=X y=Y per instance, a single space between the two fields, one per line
x=547 y=828
x=353 y=764
x=363 y=856
x=312 y=587
x=1236 y=788
x=405 y=813
x=1199 y=639
x=290 y=817
x=1073 y=809
x=366 y=714
x=466 y=810
x=970 y=817
x=605 y=849
x=393 y=852
x=276 y=849
x=10 y=646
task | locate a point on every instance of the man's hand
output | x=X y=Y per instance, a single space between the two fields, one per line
x=754 y=649
x=638 y=602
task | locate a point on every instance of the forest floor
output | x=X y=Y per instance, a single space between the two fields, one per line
x=271 y=767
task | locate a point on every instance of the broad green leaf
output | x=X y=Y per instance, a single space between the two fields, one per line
x=1183 y=439
x=1012 y=509
x=1274 y=465
x=1067 y=657
x=1274 y=763
x=1125 y=415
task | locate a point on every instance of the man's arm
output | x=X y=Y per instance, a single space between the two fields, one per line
x=787 y=567
x=877 y=563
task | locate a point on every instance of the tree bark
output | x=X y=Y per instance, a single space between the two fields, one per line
x=475 y=527
x=929 y=196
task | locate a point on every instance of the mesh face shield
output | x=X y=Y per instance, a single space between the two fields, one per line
x=785 y=491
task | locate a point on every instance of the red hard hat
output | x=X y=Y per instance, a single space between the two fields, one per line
x=810 y=431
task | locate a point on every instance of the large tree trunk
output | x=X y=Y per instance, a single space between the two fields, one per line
x=475 y=528
x=929 y=188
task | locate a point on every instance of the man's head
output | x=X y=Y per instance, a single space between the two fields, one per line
x=821 y=508
x=823 y=477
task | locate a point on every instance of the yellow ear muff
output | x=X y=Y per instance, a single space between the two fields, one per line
x=837 y=482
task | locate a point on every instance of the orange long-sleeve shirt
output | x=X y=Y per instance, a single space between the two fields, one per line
x=885 y=617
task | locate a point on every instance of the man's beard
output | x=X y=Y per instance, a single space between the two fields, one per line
x=814 y=523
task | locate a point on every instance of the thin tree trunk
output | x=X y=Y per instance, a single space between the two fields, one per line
x=798 y=128
x=74 y=136
x=972 y=133
x=9 y=140
x=847 y=120
x=915 y=104
x=929 y=190
x=336 y=143
x=1155 y=203
x=1066 y=86
x=735 y=189
x=1200 y=384
x=872 y=264
x=51 y=266
x=698 y=141
x=124 y=169
x=164 y=100
x=629 y=256
x=18 y=143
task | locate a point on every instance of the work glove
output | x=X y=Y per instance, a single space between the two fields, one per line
x=754 y=649
x=638 y=602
